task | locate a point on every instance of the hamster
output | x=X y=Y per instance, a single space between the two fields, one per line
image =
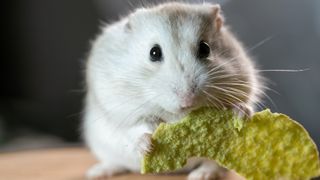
x=156 y=65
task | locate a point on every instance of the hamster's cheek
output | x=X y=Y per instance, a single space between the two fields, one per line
x=169 y=104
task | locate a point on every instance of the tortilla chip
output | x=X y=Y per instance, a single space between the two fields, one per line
x=268 y=146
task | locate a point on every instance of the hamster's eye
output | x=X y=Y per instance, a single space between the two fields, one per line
x=204 y=50
x=155 y=53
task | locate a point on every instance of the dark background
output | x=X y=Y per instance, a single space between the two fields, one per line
x=45 y=43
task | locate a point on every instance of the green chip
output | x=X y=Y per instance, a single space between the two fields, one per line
x=268 y=146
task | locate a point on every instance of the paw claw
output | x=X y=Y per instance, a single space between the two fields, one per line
x=204 y=175
x=243 y=111
x=145 y=145
x=206 y=171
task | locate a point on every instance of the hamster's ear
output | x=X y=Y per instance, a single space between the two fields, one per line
x=128 y=26
x=218 y=18
x=135 y=19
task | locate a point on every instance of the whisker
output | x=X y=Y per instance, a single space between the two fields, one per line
x=259 y=104
x=223 y=64
x=260 y=43
x=233 y=90
x=259 y=91
x=234 y=58
x=235 y=76
x=214 y=98
x=283 y=70
x=227 y=93
x=233 y=105
x=240 y=109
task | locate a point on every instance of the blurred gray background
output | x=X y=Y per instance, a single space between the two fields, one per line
x=45 y=44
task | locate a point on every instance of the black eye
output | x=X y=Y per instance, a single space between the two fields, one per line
x=155 y=53
x=204 y=50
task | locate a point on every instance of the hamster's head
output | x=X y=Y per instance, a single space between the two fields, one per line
x=185 y=58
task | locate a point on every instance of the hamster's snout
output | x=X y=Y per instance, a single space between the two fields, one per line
x=186 y=99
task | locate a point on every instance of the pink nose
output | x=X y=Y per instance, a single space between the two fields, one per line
x=187 y=100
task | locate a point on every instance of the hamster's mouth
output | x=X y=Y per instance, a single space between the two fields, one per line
x=192 y=108
x=180 y=111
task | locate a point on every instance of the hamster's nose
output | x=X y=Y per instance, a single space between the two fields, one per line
x=187 y=100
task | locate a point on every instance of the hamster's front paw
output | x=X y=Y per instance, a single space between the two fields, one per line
x=208 y=170
x=243 y=111
x=102 y=171
x=145 y=144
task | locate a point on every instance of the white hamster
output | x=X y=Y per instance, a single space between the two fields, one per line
x=156 y=65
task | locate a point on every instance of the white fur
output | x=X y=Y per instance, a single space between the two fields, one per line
x=128 y=94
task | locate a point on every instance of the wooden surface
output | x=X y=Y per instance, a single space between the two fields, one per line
x=60 y=164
